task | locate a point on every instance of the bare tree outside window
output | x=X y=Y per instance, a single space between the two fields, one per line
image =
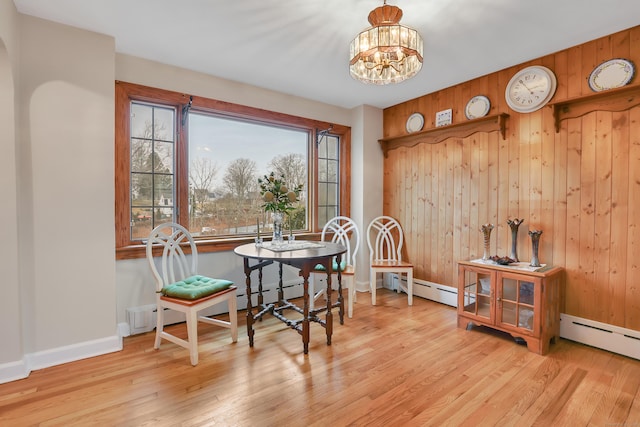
x=292 y=166
x=202 y=173
x=240 y=178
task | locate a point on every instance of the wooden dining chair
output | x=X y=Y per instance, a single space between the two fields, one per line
x=343 y=230
x=385 y=239
x=179 y=287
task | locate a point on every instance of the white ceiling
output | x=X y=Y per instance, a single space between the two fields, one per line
x=301 y=47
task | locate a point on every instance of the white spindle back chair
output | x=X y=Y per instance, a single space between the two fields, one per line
x=385 y=240
x=175 y=266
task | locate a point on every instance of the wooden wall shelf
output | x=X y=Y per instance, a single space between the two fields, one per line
x=439 y=134
x=619 y=99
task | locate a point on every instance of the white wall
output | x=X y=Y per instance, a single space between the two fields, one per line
x=62 y=178
x=63 y=292
x=137 y=70
x=11 y=333
x=367 y=163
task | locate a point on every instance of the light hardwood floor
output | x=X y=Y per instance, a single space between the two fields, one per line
x=388 y=365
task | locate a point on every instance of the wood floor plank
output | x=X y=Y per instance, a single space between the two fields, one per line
x=389 y=365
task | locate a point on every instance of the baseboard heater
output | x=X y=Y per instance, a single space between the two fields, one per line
x=601 y=335
x=432 y=291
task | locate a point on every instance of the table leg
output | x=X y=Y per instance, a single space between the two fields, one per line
x=304 y=272
x=329 y=315
x=247 y=272
x=280 y=288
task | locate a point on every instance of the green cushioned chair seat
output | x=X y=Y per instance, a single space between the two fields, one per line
x=195 y=287
x=343 y=265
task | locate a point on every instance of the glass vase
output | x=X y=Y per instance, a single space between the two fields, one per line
x=535 y=245
x=514 y=224
x=278 y=218
x=486 y=231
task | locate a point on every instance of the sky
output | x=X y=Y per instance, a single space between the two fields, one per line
x=224 y=140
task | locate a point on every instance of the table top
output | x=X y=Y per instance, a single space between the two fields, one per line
x=328 y=249
x=521 y=267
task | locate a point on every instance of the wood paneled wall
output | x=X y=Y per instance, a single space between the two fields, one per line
x=580 y=185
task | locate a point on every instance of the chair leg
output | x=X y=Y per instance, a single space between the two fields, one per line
x=351 y=296
x=159 y=325
x=192 y=335
x=410 y=286
x=372 y=286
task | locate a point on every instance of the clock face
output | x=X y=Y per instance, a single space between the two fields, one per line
x=530 y=89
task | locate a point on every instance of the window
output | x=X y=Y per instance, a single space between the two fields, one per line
x=328 y=177
x=196 y=161
x=152 y=156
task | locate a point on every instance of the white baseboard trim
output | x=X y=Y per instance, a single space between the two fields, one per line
x=43 y=359
x=601 y=335
x=124 y=330
x=14 y=371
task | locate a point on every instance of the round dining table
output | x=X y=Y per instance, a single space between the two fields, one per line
x=306 y=256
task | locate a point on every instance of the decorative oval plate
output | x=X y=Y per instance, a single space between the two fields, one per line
x=611 y=74
x=415 y=122
x=477 y=107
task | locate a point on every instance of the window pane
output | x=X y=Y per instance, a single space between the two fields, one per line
x=141 y=157
x=332 y=194
x=141 y=224
x=332 y=171
x=141 y=189
x=163 y=120
x=332 y=147
x=226 y=158
x=163 y=190
x=322 y=170
x=163 y=159
x=322 y=147
x=141 y=121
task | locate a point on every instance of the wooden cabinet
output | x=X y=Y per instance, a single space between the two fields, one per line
x=525 y=304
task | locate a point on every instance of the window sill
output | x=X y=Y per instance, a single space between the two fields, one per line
x=204 y=246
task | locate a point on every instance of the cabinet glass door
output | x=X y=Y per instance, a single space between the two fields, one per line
x=516 y=302
x=477 y=293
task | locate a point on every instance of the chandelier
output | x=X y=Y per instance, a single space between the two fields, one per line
x=386 y=52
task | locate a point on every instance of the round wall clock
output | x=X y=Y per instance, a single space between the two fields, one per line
x=478 y=106
x=530 y=89
x=611 y=74
x=415 y=122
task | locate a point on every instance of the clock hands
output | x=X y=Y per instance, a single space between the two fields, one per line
x=525 y=86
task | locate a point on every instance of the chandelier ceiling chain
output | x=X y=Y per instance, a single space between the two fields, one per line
x=386 y=52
